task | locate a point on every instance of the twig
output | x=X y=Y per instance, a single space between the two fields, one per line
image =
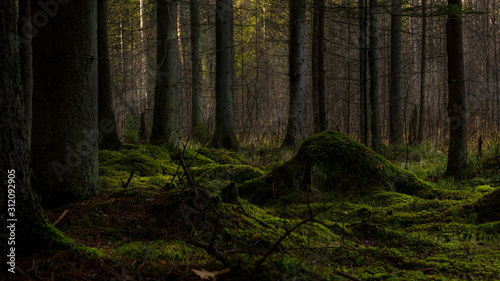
x=348 y=276
x=129 y=179
x=186 y=171
x=60 y=217
x=277 y=243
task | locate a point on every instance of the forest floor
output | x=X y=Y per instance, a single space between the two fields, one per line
x=152 y=222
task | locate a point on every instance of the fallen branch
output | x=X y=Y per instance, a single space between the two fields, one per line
x=129 y=179
x=60 y=217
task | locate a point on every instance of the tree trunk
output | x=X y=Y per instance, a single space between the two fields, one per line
x=422 y=114
x=65 y=124
x=225 y=133
x=25 y=32
x=457 y=151
x=396 y=116
x=318 y=67
x=21 y=212
x=197 y=128
x=166 y=108
x=374 y=63
x=363 y=108
x=110 y=139
x=295 y=131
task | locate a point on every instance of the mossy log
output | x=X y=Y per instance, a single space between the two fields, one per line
x=332 y=162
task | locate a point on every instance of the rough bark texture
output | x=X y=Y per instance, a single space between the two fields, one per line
x=318 y=67
x=295 y=131
x=166 y=109
x=421 y=119
x=457 y=151
x=197 y=128
x=25 y=32
x=395 y=109
x=110 y=140
x=225 y=133
x=65 y=124
x=363 y=107
x=374 y=63
x=31 y=227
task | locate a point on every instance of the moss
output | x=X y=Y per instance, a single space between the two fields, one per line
x=487 y=209
x=222 y=156
x=226 y=172
x=331 y=161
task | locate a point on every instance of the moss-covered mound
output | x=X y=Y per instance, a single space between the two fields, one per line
x=226 y=172
x=331 y=161
x=487 y=209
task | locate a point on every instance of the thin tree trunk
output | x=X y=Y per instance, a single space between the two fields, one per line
x=457 y=151
x=396 y=117
x=295 y=131
x=106 y=115
x=197 y=127
x=421 y=119
x=65 y=113
x=225 y=133
x=166 y=108
x=318 y=67
x=374 y=63
x=363 y=108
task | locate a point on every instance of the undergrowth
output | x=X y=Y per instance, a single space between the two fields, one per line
x=158 y=225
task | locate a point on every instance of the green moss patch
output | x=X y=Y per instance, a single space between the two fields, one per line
x=331 y=161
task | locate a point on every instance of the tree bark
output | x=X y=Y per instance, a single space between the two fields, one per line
x=32 y=230
x=105 y=103
x=421 y=119
x=166 y=109
x=65 y=124
x=363 y=108
x=295 y=131
x=197 y=127
x=318 y=67
x=457 y=151
x=225 y=133
x=374 y=64
x=395 y=109
x=25 y=32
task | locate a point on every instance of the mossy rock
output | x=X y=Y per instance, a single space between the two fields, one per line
x=226 y=172
x=145 y=160
x=333 y=162
x=487 y=209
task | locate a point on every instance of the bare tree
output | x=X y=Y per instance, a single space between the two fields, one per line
x=457 y=151
x=197 y=127
x=295 y=131
x=225 y=133
x=110 y=140
x=318 y=66
x=166 y=108
x=374 y=63
x=395 y=106
x=363 y=89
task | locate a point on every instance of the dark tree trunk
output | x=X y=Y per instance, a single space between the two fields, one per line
x=295 y=131
x=395 y=109
x=25 y=32
x=197 y=127
x=106 y=115
x=318 y=67
x=457 y=152
x=65 y=124
x=166 y=108
x=363 y=107
x=421 y=119
x=32 y=230
x=374 y=63
x=225 y=133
